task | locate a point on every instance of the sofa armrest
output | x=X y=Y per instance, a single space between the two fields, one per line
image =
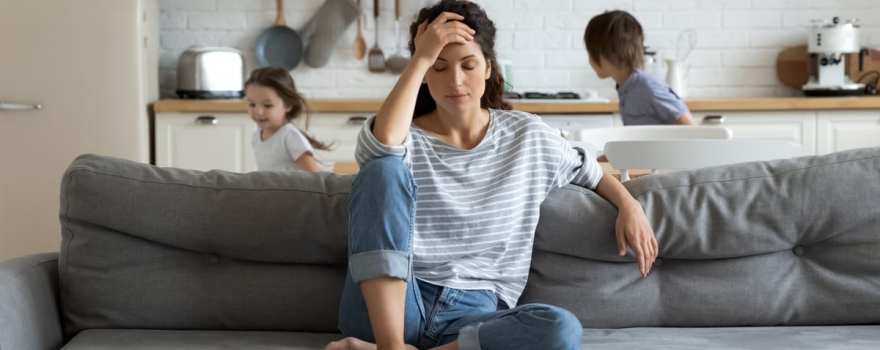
x=29 y=318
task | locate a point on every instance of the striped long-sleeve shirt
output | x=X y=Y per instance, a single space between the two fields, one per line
x=477 y=209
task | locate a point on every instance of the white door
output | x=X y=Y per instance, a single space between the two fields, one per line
x=205 y=141
x=84 y=61
x=843 y=130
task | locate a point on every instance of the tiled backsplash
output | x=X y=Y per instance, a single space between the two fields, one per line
x=737 y=40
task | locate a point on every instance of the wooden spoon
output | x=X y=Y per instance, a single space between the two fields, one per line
x=360 y=45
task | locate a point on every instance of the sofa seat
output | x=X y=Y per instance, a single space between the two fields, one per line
x=716 y=338
x=146 y=339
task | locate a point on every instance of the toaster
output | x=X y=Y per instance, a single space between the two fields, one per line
x=210 y=73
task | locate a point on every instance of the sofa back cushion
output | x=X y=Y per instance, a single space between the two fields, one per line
x=163 y=248
x=783 y=242
x=793 y=242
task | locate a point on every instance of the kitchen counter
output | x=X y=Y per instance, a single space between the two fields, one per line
x=695 y=105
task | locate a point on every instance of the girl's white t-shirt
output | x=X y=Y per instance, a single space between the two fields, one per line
x=281 y=150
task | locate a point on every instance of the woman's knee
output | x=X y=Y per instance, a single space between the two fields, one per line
x=385 y=172
x=561 y=328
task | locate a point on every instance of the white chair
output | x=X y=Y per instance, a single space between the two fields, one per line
x=691 y=154
x=594 y=140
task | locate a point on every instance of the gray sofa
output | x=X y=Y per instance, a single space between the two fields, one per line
x=769 y=255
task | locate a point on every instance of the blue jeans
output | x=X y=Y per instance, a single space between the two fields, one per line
x=382 y=212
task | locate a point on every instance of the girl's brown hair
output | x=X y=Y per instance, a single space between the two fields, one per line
x=476 y=18
x=617 y=36
x=279 y=79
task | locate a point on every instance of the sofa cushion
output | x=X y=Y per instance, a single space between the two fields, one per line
x=150 y=247
x=787 y=242
x=758 y=338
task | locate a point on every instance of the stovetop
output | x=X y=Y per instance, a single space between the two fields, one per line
x=550 y=97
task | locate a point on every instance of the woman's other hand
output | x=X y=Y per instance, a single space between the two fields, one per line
x=633 y=230
x=432 y=37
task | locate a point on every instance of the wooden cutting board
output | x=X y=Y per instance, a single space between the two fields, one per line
x=792 y=66
x=870 y=63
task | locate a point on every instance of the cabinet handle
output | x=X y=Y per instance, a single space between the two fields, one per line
x=356 y=120
x=12 y=106
x=206 y=120
x=713 y=119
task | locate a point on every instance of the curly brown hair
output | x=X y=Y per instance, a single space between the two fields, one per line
x=475 y=18
x=279 y=79
x=618 y=37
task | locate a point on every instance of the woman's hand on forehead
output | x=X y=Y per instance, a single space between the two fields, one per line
x=433 y=36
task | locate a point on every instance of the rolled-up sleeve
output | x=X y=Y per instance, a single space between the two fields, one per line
x=577 y=167
x=369 y=147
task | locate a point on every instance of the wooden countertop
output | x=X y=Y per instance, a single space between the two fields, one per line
x=695 y=105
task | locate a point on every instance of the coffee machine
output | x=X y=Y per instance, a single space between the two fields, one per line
x=828 y=45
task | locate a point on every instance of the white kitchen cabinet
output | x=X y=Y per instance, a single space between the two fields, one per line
x=205 y=141
x=842 y=130
x=569 y=124
x=340 y=129
x=797 y=126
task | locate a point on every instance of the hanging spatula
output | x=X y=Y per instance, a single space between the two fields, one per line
x=375 y=58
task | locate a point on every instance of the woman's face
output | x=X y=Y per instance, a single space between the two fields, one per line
x=457 y=80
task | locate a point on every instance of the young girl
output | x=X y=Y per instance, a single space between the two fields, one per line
x=273 y=103
x=444 y=209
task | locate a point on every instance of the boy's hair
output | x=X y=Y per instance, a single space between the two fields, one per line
x=279 y=80
x=616 y=36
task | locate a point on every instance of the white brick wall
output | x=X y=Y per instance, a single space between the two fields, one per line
x=738 y=40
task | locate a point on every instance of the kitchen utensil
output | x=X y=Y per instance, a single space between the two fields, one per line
x=375 y=58
x=279 y=45
x=506 y=67
x=360 y=45
x=210 y=72
x=792 y=67
x=397 y=62
x=685 y=44
x=324 y=29
x=676 y=76
x=829 y=42
x=652 y=64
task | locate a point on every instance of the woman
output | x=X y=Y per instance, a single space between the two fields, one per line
x=444 y=209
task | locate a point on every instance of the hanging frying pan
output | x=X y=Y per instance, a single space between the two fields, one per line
x=279 y=46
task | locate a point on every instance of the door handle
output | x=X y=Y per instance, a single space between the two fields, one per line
x=12 y=106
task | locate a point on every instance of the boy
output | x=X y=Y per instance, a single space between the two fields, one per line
x=615 y=44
